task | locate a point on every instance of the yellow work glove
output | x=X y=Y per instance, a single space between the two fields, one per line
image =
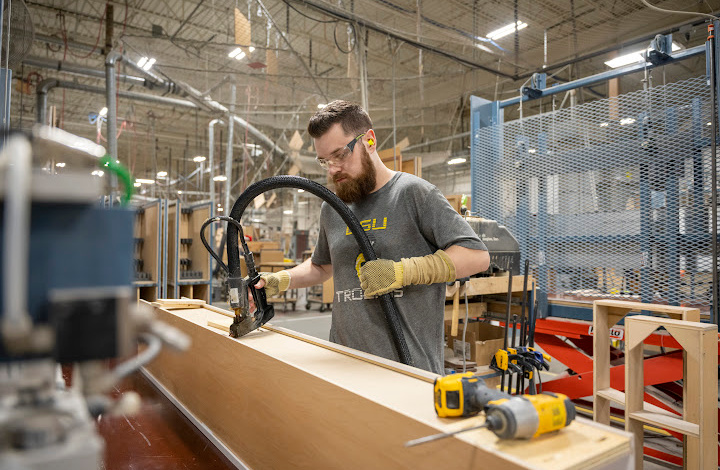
x=275 y=283
x=382 y=276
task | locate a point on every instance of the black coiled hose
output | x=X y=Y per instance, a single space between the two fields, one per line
x=233 y=251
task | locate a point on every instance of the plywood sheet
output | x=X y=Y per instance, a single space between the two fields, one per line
x=281 y=402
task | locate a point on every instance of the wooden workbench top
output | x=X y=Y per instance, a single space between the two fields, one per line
x=279 y=399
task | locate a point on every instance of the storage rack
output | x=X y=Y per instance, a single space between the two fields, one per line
x=188 y=262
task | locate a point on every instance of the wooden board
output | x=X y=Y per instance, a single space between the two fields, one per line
x=278 y=401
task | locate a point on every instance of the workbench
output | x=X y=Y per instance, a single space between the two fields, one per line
x=279 y=399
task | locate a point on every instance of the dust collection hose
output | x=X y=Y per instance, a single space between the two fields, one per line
x=233 y=251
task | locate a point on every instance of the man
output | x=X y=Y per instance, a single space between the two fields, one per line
x=420 y=242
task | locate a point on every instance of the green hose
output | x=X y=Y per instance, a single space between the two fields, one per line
x=122 y=173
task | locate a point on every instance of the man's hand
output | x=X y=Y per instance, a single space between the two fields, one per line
x=382 y=276
x=274 y=284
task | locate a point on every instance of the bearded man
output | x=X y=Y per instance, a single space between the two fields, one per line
x=420 y=241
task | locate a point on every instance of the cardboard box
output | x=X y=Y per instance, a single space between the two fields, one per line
x=482 y=341
x=271 y=256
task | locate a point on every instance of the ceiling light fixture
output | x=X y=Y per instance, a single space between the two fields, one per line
x=137 y=184
x=321 y=106
x=60 y=165
x=289 y=212
x=145 y=63
x=633 y=58
x=626 y=121
x=97 y=173
x=144 y=181
x=251 y=49
x=506 y=30
x=162 y=174
x=199 y=159
x=103 y=112
x=220 y=178
x=237 y=53
x=457 y=160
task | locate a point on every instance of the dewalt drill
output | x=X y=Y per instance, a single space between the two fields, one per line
x=509 y=417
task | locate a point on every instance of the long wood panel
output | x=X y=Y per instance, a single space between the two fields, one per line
x=278 y=402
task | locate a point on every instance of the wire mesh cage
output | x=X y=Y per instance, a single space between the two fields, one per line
x=608 y=199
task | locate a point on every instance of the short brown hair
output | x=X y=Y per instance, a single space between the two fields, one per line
x=353 y=119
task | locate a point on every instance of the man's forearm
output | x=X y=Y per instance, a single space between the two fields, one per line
x=309 y=274
x=467 y=261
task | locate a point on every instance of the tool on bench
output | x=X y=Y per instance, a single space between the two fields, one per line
x=523 y=360
x=509 y=417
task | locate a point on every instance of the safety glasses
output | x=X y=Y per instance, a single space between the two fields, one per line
x=340 y=156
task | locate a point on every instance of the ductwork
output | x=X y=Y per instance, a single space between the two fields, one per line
x=45 y=86
x=62 y=66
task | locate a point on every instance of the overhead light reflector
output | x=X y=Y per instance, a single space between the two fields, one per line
x=506 y=30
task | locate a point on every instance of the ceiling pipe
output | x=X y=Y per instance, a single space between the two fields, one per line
x=111 y=103
x=47 y=85
x=211 y=161
x=62 y=66
x=229 y=153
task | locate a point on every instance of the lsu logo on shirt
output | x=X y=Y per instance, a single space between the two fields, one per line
x=369 y=224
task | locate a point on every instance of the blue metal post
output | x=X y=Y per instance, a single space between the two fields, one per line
x=672 y=215
x=483 y=162
x=646 y=272
x=542 y=217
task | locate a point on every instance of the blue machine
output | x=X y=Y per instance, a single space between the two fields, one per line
x=607 y=198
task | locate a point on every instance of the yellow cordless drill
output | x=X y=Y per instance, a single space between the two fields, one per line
x=509 y=417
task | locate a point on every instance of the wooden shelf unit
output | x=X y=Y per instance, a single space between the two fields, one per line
x=699 y=340
x=148 y=250
x=184 y=246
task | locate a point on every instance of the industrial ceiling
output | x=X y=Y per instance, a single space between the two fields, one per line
x=416 y=60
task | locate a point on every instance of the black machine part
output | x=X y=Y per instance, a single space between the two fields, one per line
x=387 y=303
x=503 y=247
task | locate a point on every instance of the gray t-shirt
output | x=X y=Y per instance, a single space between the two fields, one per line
x=405 y=218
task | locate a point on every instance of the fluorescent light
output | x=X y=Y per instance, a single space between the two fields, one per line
x=321 y=106
x=604 y=124
x=301 y=190
x=709 y=123
x=234 y=52
x=457 y=160
x=60 y=165
x=142 y=62
x=179 y=191
x=97 y=173
x=251 y=49
x=137 y=184
x=627 y=59
x=506 y=30
x=220 y=209
x=220 y=178
x=147 y=65
x=633 y=58
x=532 y=150
x=103 y=112
x=199 y=159
x=483 y=48
x=144 y=181
x=626 y=121
x=289 y=212
x=162 y=174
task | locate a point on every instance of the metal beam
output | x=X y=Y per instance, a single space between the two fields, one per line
x=602 y=77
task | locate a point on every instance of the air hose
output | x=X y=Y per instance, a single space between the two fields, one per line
x=392 y=316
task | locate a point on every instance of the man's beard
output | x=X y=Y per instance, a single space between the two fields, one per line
x=355 y=189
